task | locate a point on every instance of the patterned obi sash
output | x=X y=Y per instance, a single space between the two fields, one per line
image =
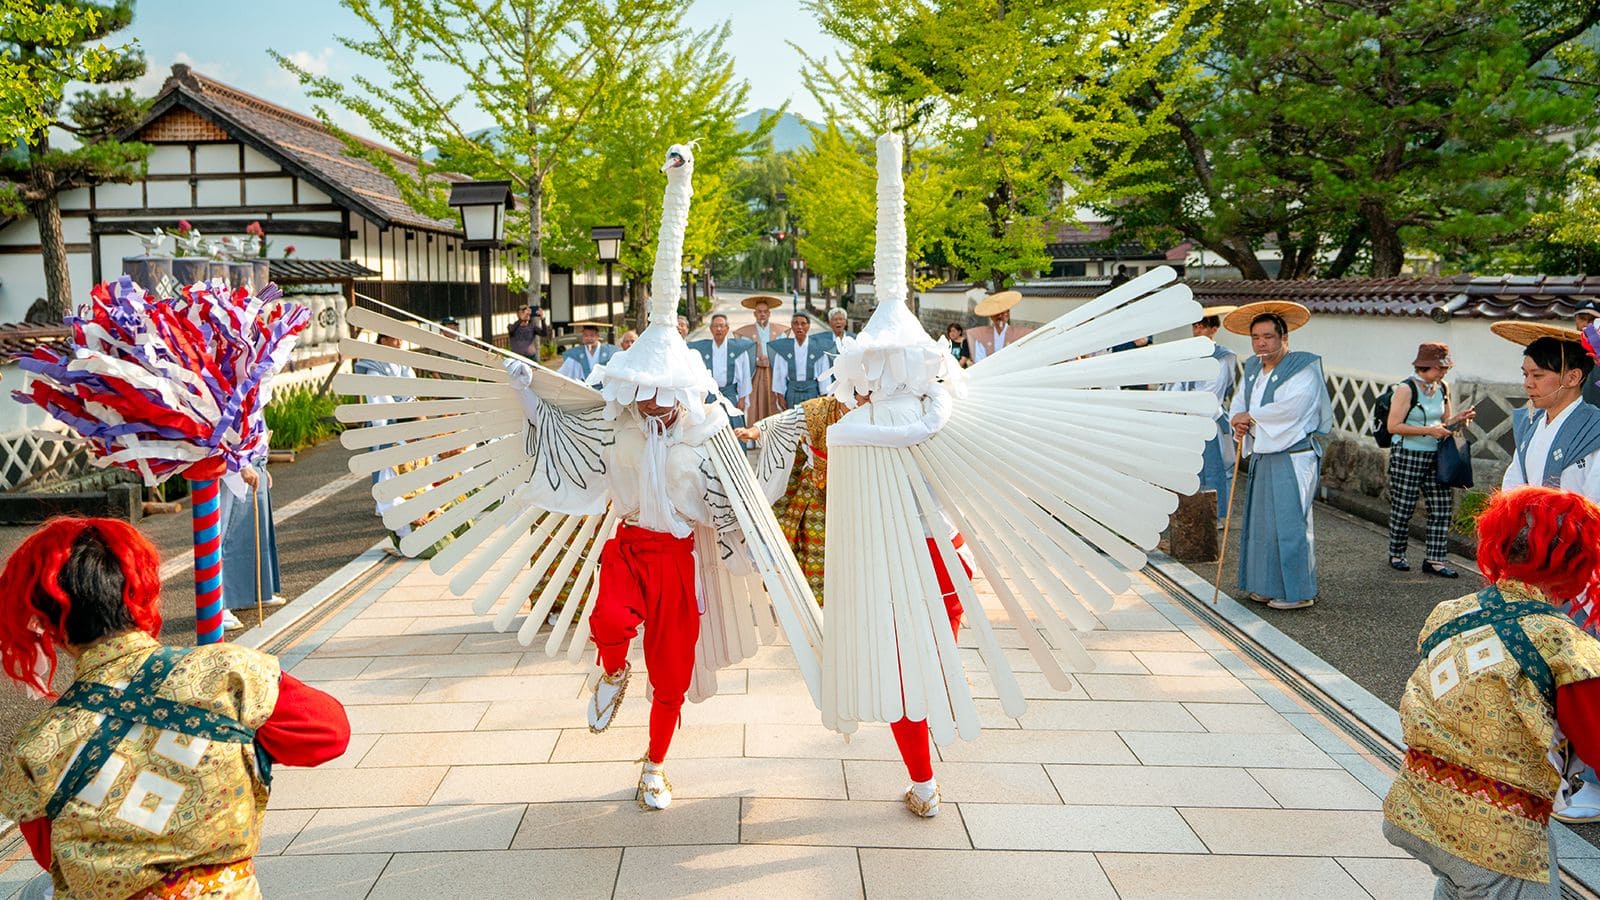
x=1498 y=794
x=198 y=881
x=137 y=704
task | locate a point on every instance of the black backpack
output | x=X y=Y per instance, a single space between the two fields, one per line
x=1380 y=410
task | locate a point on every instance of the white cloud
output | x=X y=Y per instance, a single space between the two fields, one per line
x=316 y=63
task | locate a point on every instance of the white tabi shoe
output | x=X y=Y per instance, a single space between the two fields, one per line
x=922 y=798
x=1582 y=807
x=655 y=791
x=230 y=622
x=607 y=699
x=275 y=600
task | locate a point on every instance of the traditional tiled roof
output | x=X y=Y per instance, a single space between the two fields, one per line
x=18 y=339
x=300 y=143
x=1097 y=250
x=1467 y=296
x=1532 y=297
x=317 y=271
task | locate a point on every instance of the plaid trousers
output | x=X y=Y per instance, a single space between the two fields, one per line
x=1412 y=472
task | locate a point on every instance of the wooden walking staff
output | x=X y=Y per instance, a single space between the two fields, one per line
x=1227 y=520
x=255 y=519
x=206 y=498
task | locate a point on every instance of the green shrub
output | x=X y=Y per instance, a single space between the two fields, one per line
x=1468 y=509
x=301 y=417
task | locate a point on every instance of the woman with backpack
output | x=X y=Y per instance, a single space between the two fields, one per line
x=1420 y=416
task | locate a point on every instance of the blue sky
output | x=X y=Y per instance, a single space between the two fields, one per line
x=229 y=42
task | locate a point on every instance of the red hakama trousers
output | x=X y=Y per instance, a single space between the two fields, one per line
x=912 y=737
x=649 y=577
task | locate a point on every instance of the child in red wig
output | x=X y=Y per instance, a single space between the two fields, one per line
x=148 y=777
x=1508 y=684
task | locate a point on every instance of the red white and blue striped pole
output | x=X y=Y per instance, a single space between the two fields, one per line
x=205 y=498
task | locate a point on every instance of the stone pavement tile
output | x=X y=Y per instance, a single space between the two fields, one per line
x=465 y=665
x=415 y=717
x=500 y=875
x=535 y=712
x=1118 y=662
x=771 y=656
x=918 y=874
x=527 y=688
x=1108 y=715
x=330 y=669
x=537 y=783
x=1157 y=786
x=851 y=823
x=1147 y=641
x=1164 y=663
x=1391 y=879
x=461 y=748
x=1316 y=789
x=353 y=752
x=493 y=641
x=739 y=872
x=333 y=877
x=1201 y=689
x=958 y=782
x=1292 y=832
x=773 y=696
x=1103 y=747
x=991 y=714
x=1268 y=751
x=462 y=624
x=873 y=741
x=629 y=743
x=359 y=627
x=1239 y=718
x=279 y=828
x=537 y=662
x=621 y=823
x=411 y=609
x=370 y=690
x=389 y=645
x=393 y=829
x=1005 y=637
x=1033 y=684
x=1135 y=616
x=814 y=779
x=1133 y=829
x=733 y=681
x=1139 y=876
x=1317 y=731
x=327 y=788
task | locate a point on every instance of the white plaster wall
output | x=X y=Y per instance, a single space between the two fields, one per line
x=77 y=198
x=256 y=161
x=215 y=158
x=119 y=196
x=218 y=192
x=269 y=191
x=168 y=194
x=168 y=159
x=310 y=195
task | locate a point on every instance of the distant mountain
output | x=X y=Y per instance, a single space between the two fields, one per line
x=790 y=133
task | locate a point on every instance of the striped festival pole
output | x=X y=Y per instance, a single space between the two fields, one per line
x=206 y=500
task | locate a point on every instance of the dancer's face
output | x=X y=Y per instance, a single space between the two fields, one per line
x=651 y=409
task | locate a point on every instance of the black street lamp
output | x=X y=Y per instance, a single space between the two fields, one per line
x=483 y=206
x=796 y=264
x=608 y=245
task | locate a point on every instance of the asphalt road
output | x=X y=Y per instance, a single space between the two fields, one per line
x=313 y=542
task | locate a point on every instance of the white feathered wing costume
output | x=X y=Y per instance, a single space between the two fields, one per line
x=544 y=460
x=1058 y=481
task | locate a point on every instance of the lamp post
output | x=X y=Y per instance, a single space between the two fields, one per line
x=483 y=206
x=782 y=197
x=795 y=264
x=690 y=304
x=805 y=273
x=608 y=245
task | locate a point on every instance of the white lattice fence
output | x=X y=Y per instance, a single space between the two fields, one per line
x=23 y=453
x=1490 y=433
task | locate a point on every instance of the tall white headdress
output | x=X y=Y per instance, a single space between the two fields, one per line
x=892 y=354
x=660 y=364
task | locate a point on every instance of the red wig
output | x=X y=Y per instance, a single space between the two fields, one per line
x=34 y=607
x=1544 y=537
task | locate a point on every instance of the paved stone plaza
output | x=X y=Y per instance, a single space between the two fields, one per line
x=1173 y=771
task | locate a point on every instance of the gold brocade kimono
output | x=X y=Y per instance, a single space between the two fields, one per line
x=163 y=801
x=802 y=511
x=1480 y=775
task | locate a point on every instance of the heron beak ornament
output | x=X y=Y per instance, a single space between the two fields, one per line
x=674 y=160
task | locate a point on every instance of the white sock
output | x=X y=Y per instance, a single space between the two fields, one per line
x=652 y=768
x=925 y=789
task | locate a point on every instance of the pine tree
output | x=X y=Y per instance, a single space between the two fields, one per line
x=46 y=45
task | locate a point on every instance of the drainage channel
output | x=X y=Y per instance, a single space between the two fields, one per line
x=1378 y=748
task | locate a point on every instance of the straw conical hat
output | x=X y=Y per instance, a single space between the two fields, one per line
x=1525 y=333
x=1293 y=314
x=766 y=300
x=994 y=304
x=1218 y=311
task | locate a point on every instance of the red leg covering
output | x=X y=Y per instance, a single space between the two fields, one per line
x=912 y=737
x=647 y=576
